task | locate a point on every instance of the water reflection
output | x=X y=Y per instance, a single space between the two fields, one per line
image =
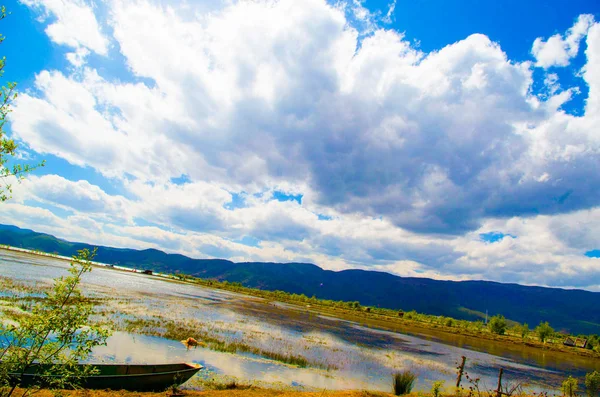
x=363 y=357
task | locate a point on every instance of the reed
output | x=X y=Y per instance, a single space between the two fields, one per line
x=403 y=382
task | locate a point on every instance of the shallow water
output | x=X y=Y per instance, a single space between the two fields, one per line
x=363 y=357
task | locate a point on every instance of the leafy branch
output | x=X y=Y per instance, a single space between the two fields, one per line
x=54 y=337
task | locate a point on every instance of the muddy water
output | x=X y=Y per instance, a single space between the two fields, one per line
x=357 y=356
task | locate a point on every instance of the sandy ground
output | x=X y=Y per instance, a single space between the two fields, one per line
x=253 y=392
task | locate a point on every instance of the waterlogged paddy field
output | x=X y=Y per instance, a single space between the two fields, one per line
x=151 y=315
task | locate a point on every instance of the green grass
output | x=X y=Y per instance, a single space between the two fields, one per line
x=179 y=331
x=403 y=382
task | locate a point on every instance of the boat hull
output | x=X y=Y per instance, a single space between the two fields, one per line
x=132 y=377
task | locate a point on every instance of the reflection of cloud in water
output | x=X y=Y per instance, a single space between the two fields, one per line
x=365 y=357
x=122 y=347
x=362 y=370
x=140 y=349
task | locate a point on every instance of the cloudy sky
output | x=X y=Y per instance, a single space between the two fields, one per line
x=431 y=138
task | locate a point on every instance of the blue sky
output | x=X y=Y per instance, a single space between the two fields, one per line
x=453 y=140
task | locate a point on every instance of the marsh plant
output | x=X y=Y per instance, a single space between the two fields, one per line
x=498 y=325
x=569 y=387
x=403 y=382
x=436 y=388
x=592 y=384
x=544 y=331
x=53 y=337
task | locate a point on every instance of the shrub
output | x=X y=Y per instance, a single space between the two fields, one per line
x=569 y=387
x=403 y=382
x=436 y=388
x=478 y=325
x=544 y=330
x=449 y=322
x=592 y=384
x=56 y=331
x=498 y=324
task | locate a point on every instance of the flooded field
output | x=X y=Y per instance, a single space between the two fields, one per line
x=271 y=337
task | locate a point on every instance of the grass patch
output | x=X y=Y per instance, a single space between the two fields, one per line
x=403 y=382
x=170 y=329
x=229 y=385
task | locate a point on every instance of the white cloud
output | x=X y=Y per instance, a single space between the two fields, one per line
x=411 y=154
x=73 y=128
x=544 y=250
x=558 y=49
x=78 y=57
x=591 y=72
x=235 y=127
x=79 y=196
x=390 y=12
x=73 y=24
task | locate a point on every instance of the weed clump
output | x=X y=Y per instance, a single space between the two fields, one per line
x=403 y=382
x=592 y=384
x=436 y=388
x=569 y=387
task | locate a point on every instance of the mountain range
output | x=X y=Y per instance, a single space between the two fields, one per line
x=576 y=311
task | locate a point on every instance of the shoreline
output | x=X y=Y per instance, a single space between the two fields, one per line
x=234 y=392
x=70 y=259
x=486 y=342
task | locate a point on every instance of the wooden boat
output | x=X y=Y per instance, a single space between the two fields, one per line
x=133 y=377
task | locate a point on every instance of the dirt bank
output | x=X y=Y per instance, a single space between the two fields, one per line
x=252 y=392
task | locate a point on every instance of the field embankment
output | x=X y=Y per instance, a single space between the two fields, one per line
x=251 y=392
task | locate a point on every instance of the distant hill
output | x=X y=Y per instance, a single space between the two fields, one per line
x=574 y=310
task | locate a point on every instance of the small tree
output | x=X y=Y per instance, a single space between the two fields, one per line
x=54 y=337
x=498 y=324
x=592 y=384
x=569 y=387
x=544 y=330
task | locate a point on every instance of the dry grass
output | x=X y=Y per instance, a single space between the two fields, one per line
x=247 y=392
x=252 y=392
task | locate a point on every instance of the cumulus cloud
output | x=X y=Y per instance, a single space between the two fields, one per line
x=78 y=57
x=197 y=206
x=409 y=154
x=591 y=74
x=79 y=196
x=244 y=100
x=73 y=24
x=559 y=49
x=545 y=250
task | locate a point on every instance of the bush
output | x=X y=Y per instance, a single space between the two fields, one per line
x=544 y=330
x=478 y=325
x=57 y=332
x=498 y=324
x=592 y=384
x=524 y=330
x=569 y=387
x=436 y=388
x=403 y=382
